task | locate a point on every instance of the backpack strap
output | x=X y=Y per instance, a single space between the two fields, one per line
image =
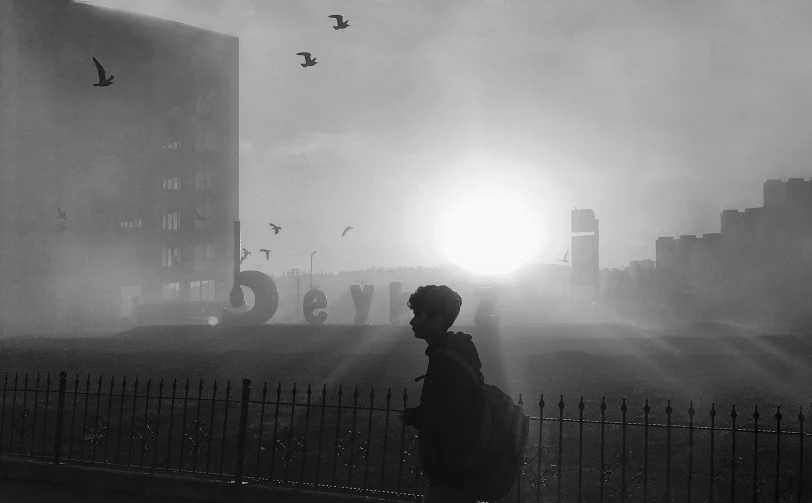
x=462 y=361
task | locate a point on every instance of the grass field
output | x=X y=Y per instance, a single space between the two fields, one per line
x=709 y=364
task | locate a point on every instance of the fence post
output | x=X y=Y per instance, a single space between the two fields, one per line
x=60 y=412
x=246 y=392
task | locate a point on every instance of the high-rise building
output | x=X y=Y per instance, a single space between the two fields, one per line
x=119 y=196
x=585 y=276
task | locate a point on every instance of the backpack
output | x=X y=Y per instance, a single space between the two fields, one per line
x=503 y=439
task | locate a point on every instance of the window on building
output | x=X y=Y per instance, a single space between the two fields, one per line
x=171 y=221
x=201 y=290
x=205 y=141
x=204 y=180
x=170 y=291
x=171 y=256
x=130 y=298
x=175 y=145
x=203 y=214
x=204 y=252
x=135 y=223
x=175 y=113
x=205 y=105
x=172 y=183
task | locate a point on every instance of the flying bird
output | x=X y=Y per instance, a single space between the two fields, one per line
x=61 y=214
x=308 y=61
x=565 y=257
x=346 y=230
x=245 y=254
x=340 y=23
x=104 y=80
x=267 y=254
x=276 y=228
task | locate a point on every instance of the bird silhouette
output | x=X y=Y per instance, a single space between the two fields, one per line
x=267 y=253
x=308 y=61
x=346 y=230
x=245 y=253
x=276 y=228
x=104 y=80
x=565 y=257
x=60 y=214
x=340 y=23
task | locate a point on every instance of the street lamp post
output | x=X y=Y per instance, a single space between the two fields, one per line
x=311 y=269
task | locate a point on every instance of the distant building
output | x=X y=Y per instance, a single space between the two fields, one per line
x=146 y=170
x=585 y=276
x=764 y=253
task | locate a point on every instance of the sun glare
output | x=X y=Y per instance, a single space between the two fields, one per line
x=490 y=232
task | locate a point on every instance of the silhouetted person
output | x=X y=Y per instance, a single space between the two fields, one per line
x=451 y=404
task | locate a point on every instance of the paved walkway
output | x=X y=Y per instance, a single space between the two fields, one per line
x=16 y=491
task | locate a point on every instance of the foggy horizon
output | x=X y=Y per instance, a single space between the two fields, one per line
x=655 y=115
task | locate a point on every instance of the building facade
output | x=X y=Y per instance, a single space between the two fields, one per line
x=112 y=197
x=761 y=255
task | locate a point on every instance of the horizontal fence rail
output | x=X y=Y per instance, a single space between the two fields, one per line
x=353 y=441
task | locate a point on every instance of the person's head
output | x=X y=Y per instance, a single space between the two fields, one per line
x=435 y=310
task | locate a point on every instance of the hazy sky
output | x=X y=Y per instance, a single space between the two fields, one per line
x=657 y=114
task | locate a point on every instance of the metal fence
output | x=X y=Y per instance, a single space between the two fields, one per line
x=353 y=442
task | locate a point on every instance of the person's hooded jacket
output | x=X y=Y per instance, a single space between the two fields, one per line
x=450 y=412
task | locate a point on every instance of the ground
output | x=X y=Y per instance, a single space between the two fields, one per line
x=17 y=491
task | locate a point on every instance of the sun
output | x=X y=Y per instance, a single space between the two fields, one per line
x=490 y=232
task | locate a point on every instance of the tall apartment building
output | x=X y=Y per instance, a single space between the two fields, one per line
x=145 y=170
